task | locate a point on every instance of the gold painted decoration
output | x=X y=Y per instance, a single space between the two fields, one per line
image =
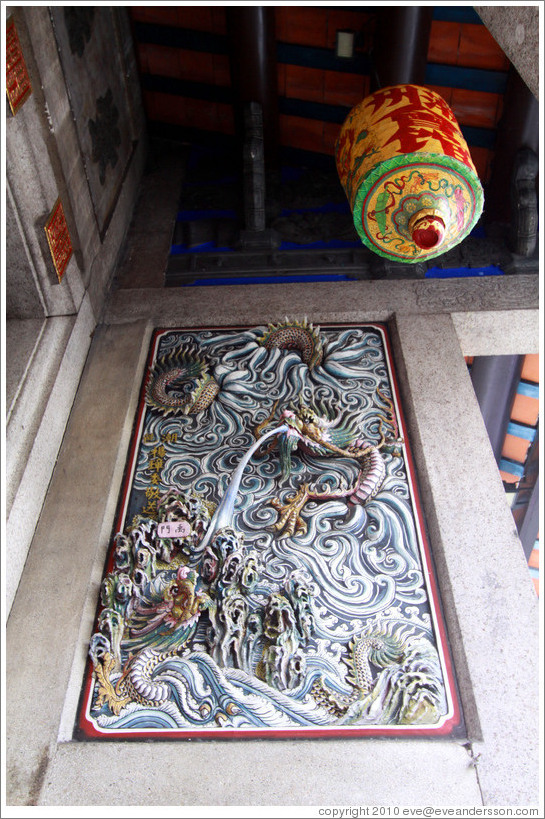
x=58 y=239
x=18 y=85
x=408 y=174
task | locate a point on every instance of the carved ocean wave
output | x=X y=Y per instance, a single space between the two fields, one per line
x=203 y=695
x=362 y=558
x=259 y=378
x=361 y=561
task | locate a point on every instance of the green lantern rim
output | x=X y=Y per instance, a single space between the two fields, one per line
x=412 y=159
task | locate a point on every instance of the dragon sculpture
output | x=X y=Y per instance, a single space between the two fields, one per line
x=294 y=335
x=407 y=690
x=393 y=672
x=316 y=434
x=181 y=382
x=153 y=602
x=154 y=599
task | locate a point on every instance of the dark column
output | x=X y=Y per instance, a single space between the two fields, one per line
x=518 y=128
x=495 y=380
x=253 y=70
x=526 y=505
x=255 y=234
x=524 y=203
x=400 y=49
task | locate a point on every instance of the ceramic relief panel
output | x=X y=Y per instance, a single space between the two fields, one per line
x=269 y=573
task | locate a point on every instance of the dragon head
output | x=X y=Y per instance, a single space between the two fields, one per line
x=305 y=429
x=319 y=432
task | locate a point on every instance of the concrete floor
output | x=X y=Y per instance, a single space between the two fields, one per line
x=490 y=605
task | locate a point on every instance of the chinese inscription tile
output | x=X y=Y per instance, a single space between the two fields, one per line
x=18 y=85
x=58 y=239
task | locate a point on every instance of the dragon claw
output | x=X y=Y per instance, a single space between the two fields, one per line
x=289 y=521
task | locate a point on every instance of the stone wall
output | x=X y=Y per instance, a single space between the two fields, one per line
x=489 y=602
x=516 y=29
x=78 y=138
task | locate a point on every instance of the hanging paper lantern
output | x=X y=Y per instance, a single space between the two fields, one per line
x=408 y=174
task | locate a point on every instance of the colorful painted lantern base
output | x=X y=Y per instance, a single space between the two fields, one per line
x=408 y=174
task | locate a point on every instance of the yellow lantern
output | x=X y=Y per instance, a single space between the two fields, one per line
x=408 y=174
